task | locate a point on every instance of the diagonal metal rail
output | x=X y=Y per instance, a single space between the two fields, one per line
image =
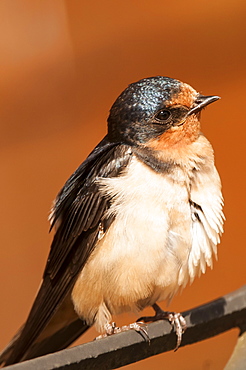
x=124 y=348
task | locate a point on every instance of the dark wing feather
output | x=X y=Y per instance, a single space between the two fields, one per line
x=78 y=211
x=75 y=200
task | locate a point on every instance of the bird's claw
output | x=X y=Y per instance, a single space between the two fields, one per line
x=113 y=329
x=109 y=330
x=140 y=327
x=179 y=325
x=176 y=319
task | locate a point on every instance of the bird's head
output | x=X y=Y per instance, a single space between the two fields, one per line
x=158 y=112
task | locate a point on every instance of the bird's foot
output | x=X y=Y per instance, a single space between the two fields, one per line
x=176 y=320
x=113 y=329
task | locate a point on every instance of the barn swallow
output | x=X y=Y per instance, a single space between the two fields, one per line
x=139 y=219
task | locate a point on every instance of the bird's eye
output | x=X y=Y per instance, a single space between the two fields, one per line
x=164 y=115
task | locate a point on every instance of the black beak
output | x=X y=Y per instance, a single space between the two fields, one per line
x=201 y=102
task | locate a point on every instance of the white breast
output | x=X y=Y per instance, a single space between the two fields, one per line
x=155 y=244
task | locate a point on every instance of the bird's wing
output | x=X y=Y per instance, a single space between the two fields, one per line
x=79 y=217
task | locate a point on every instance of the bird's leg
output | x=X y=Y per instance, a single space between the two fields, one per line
x=113 y=329
x=109 y=330
x=176 y=319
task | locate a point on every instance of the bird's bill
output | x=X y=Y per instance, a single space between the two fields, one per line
x=201 y=102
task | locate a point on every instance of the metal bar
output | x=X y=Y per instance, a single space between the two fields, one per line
x=124 y=348
x=238 y=357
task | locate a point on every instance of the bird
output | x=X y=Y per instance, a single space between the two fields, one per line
x=139 y=219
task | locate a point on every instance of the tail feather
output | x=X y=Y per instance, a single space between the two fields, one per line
x=6 y=354
x=62 y=330
x=55 y=342
x=58 y=341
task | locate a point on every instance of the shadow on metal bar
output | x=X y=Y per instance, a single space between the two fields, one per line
x=128 y=347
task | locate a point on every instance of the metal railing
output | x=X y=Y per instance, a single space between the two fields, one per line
x=128 y=347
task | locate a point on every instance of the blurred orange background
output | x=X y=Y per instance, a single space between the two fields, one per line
x=63 y=63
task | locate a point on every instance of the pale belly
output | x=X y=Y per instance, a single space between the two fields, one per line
x=143 y=257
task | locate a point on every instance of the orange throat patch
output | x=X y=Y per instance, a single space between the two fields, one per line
x=177 y=136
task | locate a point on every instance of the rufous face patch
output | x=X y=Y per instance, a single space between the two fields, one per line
x=177 y=136
x=186 y=96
